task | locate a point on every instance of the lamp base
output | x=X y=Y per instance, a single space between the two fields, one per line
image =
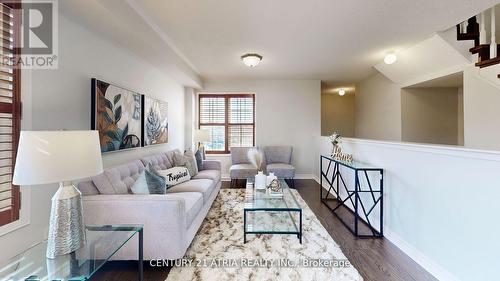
x=66 y=230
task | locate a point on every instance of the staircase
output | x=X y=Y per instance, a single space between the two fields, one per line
x=487 y=53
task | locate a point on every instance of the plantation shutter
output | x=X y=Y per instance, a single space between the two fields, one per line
x=229 y=119
x=10 y=113
x=241 y=121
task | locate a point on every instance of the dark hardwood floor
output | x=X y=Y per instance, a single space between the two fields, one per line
x=376 y=259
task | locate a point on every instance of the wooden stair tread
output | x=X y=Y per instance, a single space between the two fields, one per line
x=467 y=36
x=489 y=62
x=479 y=48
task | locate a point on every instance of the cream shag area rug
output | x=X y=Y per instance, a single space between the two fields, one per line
x=218 y=253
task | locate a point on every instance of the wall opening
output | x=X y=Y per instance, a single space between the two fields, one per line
x=432 y=111
x=337 y=112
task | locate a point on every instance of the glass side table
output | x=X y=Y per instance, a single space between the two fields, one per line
x=103 y=241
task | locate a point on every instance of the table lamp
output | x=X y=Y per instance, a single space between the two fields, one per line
x=201 y=136
x=45 y=157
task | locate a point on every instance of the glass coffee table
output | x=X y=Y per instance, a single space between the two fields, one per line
x=103 y=241
x=266 y=214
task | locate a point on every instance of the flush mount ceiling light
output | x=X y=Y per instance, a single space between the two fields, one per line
x=251 y=60
x=390 y=58
x=341 y=92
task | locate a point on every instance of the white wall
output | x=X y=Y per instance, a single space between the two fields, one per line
x=440 y=204
x=60 y=99
x=481 y=111
x=378 y=109
x=287 y=113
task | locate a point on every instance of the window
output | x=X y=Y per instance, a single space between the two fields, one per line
x=10 y=112
x=230 y=120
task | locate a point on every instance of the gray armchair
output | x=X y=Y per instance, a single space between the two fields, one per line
x=279 y=162
x=241 y=168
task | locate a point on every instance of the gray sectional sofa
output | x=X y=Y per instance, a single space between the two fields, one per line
x=170 y=220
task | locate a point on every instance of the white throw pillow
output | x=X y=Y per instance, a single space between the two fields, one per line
x=175 y=175
x=141 y=185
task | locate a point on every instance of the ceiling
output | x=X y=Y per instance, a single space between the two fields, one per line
x=317 y=39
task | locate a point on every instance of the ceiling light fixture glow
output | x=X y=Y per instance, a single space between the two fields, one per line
x=251 y=60
x=341 y=92
x=390 y=58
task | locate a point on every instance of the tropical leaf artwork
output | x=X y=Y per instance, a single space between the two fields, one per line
x=155 y=121
x=117 y=116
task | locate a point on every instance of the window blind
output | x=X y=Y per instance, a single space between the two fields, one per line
x=229 y=119
x=10 y=113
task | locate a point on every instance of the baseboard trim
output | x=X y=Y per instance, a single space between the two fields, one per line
x=424 y=261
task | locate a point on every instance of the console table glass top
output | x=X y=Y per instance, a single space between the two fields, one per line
x=102 y=242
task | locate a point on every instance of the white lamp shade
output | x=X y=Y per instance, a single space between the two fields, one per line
x=57 y=156
x=201 y=136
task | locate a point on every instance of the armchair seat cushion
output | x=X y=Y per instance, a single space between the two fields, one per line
x=242 y=171
x=203 y=186
x=208 y=174
x=281 y=170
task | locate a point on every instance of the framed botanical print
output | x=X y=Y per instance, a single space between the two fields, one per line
x=117 y=115
x=155 y=121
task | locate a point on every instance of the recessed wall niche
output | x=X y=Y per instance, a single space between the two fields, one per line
x=433 y=112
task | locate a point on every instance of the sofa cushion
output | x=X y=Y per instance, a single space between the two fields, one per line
x=157 y=161
x=208 y=174
x=242 y=171
x=281 y=170
x=203 y=186
x=118 y=179
x=193 y=202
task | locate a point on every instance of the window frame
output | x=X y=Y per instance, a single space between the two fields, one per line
x=12 y=215
x=226 y=123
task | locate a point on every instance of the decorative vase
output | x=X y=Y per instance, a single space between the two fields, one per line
x=270 y=178
x=260 y=180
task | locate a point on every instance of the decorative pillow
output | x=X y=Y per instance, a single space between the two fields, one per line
x=156 y=184
x=175 y=175
x=199 y=159
x=140 y=185
x=149 y=182
x=193 y=165
x=187 y=160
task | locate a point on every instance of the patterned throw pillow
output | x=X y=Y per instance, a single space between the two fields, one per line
x=149 y=183
x=175 y=175
x=199 y=159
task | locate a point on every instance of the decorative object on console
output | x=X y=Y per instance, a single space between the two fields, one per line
x=270 y=178
x=155 y=121
x=337 y=153
x=275 y=189
x=116 y=114
x=60 y=156
x=335 y=139
x=201 y=136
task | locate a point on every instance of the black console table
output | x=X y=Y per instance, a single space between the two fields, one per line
x=364 y=199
